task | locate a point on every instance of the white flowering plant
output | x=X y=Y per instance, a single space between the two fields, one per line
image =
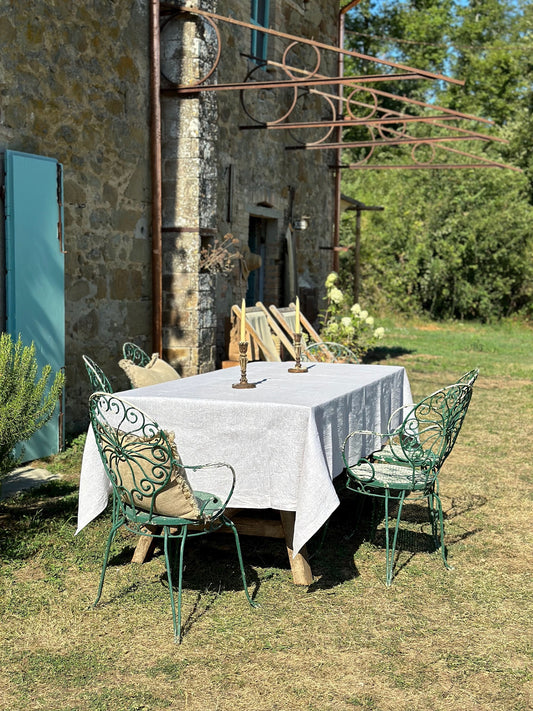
x=348 y=323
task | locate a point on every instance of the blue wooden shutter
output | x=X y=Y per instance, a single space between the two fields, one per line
x=35 y=302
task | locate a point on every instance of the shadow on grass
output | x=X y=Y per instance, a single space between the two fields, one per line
x=349 y=526
x=210 y=566
x=385 y=353
x=355 y=522
x=27 y=516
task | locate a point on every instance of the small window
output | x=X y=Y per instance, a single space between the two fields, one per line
x=259 y=16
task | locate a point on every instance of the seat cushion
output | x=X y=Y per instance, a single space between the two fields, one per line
x=146 y=467
x=395 y=453
x=384 y=475
x=154 y=372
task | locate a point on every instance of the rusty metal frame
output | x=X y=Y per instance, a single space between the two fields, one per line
x=343 y=116
x=171 y=9
x=378 y=119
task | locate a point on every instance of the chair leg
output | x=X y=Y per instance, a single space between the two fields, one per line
x=433 y=498
x=176 y=623
x=390 y=553
x=230 y=523
x=110 y=540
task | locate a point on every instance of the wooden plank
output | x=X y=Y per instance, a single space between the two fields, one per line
x=229 y=363
x=145 y=547
x=249 y=526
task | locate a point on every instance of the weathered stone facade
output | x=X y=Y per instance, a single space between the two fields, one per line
x=273 y=186
x=241 y=181
x=74 y=85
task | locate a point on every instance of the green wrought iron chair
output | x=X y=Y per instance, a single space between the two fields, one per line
x=97 y=377
x=151 y=493
x=457 y=400
x=328 y=352
x=421 y=444
x=469 y=378
x=135 y=354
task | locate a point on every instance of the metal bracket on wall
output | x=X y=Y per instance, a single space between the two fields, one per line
x=357 y=107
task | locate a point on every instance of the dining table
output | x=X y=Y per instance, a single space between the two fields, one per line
x=283 y=437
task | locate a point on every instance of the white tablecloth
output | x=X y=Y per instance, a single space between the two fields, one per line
x=283 y=437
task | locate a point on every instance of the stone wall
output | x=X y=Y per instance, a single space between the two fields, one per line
x=189 y=168
x=269 y=181
x=74 y=86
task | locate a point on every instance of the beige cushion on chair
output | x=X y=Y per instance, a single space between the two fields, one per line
x=176 y=499
x=154 y=372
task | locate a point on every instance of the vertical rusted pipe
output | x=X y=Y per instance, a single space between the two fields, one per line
x=357 y=267
x=337 y=196
x=155 y=155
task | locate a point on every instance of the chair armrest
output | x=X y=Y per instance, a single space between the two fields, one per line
x=383 y=435
x=214 y=465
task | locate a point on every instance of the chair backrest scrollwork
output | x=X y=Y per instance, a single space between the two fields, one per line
x=329 y=352
x=97 y=377
x=135 y=354
x=136 y=453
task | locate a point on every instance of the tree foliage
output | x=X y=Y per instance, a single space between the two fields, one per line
x=451 y=243
x=27 y=401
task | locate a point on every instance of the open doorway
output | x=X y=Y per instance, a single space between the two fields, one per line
x=257 y=242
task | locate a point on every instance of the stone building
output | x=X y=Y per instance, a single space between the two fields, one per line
x=75 y=85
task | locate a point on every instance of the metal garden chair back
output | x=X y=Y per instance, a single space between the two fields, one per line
x=411 y=465
x=456 y=401
x=329 y=352
x=136 y=354
x=460 y=401
x=97 y=377
x=151 y=493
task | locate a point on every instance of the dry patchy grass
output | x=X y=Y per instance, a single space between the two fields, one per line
x=436 y=640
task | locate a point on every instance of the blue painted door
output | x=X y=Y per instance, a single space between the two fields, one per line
x=35 y=302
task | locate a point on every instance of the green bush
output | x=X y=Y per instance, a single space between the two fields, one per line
x=345 y=322
x=26 y=403
x=448 y=244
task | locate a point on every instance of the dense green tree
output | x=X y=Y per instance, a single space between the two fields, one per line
x=438 y=248
x=452 y=242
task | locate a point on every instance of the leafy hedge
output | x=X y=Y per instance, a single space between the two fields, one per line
x=449 y=243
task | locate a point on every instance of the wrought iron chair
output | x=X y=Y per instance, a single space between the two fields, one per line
x=135 y=354
x=457 y=400
x=469 y=378
x=97 y=377
x=151 y=493
x=329 y=352
x=421 y=444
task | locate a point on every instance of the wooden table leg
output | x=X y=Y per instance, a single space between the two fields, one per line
x=301 y=570
x=144 y=546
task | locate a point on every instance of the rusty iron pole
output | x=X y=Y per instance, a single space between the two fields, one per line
x=155 y=154
x=338 y=174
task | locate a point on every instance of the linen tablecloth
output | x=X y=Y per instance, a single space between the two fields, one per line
x=283 y=437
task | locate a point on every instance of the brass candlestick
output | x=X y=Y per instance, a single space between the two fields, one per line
x=243 y=360
x=298 y=368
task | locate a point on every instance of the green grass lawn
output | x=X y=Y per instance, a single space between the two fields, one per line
x=436 y=640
